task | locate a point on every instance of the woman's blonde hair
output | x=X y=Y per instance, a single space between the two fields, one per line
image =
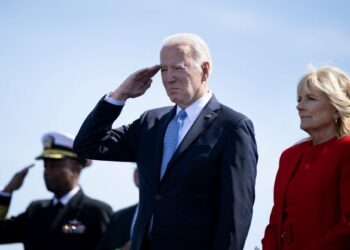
x=335 y=84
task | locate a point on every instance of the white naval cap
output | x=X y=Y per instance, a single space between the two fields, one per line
x=58 y=145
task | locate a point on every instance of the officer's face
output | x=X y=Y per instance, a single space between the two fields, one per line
x=60 y=175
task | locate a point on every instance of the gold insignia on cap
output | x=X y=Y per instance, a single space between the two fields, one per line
x=48 y=141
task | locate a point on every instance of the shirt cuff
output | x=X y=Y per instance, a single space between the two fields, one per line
x=5 y=194
x=114 y=101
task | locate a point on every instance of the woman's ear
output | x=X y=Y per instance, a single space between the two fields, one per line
x=336 y=116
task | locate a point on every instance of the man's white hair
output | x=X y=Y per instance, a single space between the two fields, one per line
x=199 y=48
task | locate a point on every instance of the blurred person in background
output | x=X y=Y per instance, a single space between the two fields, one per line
x=119 y=230
x=69 y=221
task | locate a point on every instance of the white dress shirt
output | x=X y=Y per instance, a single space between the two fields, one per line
x=192 y=112
x=67 y=197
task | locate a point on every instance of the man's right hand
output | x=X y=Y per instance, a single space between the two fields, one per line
x=136 y=84
x=17 y=180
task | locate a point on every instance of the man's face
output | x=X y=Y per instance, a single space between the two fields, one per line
x=181 y=76
x=59 y=175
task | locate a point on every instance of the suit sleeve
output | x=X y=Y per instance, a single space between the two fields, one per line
x=11 y=230
x=237 y=188
x=4 y=206
x=339 y=236
x=97 y=140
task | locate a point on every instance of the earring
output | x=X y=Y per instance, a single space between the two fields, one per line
x=336 y=120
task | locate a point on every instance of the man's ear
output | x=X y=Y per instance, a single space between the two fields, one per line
x=205 y=71
x=76 y=166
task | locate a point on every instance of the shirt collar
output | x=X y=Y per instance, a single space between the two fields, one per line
x=195 y=108
x=67 y=197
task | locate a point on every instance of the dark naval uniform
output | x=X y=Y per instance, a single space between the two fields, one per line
x=78 y=225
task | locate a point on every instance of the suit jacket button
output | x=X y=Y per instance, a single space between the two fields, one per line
x=158 y=197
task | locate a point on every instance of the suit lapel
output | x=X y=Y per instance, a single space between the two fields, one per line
x=207 y=115
x=201 y=123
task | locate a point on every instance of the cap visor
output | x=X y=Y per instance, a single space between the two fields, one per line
x=50 y=156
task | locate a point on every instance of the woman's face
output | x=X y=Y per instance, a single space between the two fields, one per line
x=316 y=112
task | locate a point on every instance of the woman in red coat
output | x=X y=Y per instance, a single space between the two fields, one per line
x=312 y=189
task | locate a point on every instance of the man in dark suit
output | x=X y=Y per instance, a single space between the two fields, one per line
x=197 y=160
x=119 y=229
x=69 y=221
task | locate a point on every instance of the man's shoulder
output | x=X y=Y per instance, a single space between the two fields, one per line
x=39 y=204
x=159 y=111
x=44 y=202
x=92 y=203
x=231 y=115
x=126 y=210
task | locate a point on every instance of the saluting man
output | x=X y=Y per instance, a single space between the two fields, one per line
x=70 y=220
x=196 y=159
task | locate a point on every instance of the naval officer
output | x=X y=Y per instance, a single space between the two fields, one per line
x=71 y=220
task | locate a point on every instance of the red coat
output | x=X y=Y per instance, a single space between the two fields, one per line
x=322 y=217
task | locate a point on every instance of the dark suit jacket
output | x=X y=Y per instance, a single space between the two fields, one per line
x=205 y=199
x=40 y=227
x=118 y=230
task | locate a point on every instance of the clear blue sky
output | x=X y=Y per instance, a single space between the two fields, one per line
x=57 y=58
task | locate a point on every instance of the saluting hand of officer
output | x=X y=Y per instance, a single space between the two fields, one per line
x=136 y=84
x=17 y=180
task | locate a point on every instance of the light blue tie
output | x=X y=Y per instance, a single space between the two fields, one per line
x=171 y=139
